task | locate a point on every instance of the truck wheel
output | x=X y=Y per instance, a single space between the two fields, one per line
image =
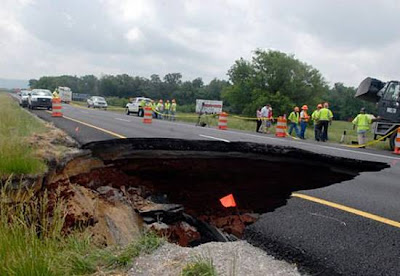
x=140 y=113
x=392 y=140
x=127 y=111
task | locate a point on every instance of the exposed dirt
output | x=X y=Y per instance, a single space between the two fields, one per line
x=115 y=188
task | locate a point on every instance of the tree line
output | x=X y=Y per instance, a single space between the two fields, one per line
x=269 y=77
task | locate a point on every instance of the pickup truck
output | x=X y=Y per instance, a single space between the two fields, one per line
x=134 y=106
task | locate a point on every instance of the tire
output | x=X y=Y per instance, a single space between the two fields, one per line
x=127 y=112
x=140 y=113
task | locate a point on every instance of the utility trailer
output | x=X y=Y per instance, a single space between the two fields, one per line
x=65 y=94
x=387 y=97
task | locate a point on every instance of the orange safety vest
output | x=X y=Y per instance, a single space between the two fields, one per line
x=305 y=116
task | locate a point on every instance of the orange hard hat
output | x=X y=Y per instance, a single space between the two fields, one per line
x=296 y=109
x=304 y=107
x=319 y=106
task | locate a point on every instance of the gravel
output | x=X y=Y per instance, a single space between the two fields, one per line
x=229 y=258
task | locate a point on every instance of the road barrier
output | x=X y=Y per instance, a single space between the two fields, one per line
x=56 y=107
x=397 y=143
x=148 y=115
x=281 y=127
x=223 y=121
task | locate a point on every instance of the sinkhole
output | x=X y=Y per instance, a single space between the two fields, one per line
x=186 y=178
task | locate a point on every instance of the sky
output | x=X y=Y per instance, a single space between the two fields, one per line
x=345 y=40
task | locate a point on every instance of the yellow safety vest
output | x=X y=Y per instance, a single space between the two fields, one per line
x=173 y=107
x=294 y=117
x=325 y=114
x=167 y=106
x=362 y=121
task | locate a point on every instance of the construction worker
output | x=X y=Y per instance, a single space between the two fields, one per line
x=303 y=121
x=294 y=118
x=324 y=119
x=269 y=119
x=160 y=109
x=55 y=93
x=167 y=107
x=362 y=122
x=314 y=117
x=172 y=110
x=153 y=108
x=259 y=119
x=142 y=104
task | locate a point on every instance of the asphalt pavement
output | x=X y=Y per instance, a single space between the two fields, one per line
x=350 y=228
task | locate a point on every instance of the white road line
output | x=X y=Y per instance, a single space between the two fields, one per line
x=215 y=138
x=122 y=120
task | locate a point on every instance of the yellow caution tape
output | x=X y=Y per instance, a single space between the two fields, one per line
x=372 y=142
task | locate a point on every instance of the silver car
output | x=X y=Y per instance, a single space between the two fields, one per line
x=96 y=102
x=23 y=98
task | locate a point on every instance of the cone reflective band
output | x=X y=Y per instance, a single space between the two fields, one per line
x=147 y=116
x=228 y=201
x=223 y=121
x=56 y=107
x=281 y=127
x=397 y=142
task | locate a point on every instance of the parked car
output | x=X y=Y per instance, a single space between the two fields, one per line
x=135 y=106
x=23 y=98
x=96 y=102
x=40 y=98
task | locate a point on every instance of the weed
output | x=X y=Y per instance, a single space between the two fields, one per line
x=200 y=266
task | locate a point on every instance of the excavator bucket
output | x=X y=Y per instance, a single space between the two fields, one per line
x=368 y=90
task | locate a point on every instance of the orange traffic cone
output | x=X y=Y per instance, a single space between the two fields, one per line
x=223 y=121
x=281 y=127
x=56 y=107
x=397 y=143
x=147 y=116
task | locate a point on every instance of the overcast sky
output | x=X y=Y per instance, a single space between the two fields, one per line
x=345 y=40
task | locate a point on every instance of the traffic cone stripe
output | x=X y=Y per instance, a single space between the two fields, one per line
x=223 y=121
x=147 y=116
x=397 y=142
x=56 y=107
x=281 y=127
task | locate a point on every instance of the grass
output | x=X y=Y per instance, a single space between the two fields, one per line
x=32 y=240
x=200 y=266
x=16 y=125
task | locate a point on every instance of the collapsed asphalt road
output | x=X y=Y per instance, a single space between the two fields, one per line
x=321 y=237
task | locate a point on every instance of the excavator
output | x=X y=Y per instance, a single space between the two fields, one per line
x=386 y=95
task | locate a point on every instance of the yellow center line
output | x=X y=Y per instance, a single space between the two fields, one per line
x=348 y=209
x=95 y=127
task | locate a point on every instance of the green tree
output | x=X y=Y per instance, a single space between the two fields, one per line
x=276 y=78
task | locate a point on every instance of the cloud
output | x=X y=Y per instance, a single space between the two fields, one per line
x=345 y=40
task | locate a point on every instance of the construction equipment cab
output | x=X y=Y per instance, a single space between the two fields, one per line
x=136 y=105
x=387 y=97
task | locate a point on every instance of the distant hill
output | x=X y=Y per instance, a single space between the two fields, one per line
x=10 y=83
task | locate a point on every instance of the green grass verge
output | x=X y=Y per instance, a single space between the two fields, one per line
x=16 y=125
x=200 y=266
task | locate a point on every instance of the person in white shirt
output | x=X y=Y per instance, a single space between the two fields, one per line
x=264 y=115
